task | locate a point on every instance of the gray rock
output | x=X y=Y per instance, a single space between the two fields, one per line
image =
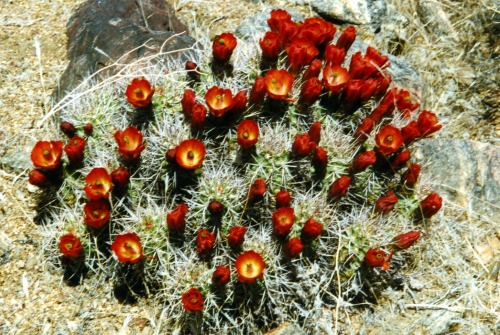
x=102 y=31
x=435 y=19
x=468 y=173
x=286 y=329
x=361 y=12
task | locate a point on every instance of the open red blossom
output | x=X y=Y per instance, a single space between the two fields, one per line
x=313 y=70
x=362 y=161
x=192 y=300
x=409 y=177
x=120 y=177
x=188 y=101
x=236 y=236
x=205 y=241
x=431 y=205
x=130 y=143
x=386 y=106
x=347 y=37
x=283 y=219
x=46 y=155
x=75 y=150
x=310 y=91
x=386 y=202
x=311 y=230
x=67 y=128
x=316 y=30
x=300 y=52
x=364 y=129
x=198 y=116
x=96 y=213
x=258 y=91
x=247 y=133
x=257 y=190
x=320 y=159
x=176 y=219
x=249 y=266
x=406 y=240
x=334 y=55
x=335 y=78
x=389 y=140
x=399 y=161
x=404 y=104
x=98 y=184
x=376 y=57
x=70 y=246
x=339 y=187
x=428 y=123
x=278 y=84
x=139 y=93
x=38 y=178
x=376 y=257
x=270 y=45
x=361 y=67
x=277 y=17
x=293 y=247
x=128 y=248
x=410 y=132
x=189 y=154
x=223 y=47
x=221 y=275
x=219 y=101
x=303 y=145
x=283 y=199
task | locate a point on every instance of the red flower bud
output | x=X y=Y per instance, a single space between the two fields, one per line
x=303 y=145
x=38 y=178
x=410 y=176
x=170 y=155
x=384 y=80
x=399 y=161
x=283 y=219
x=205 y=241
x=364 y=129
x=335 y=78
x=47 y=155
x=270 y=45
x=431 y=205
x=386 y=106
x=283 y=199
x=376 y=257
x=236 y=236
x=221 y=275
x=317 y=31
x=139 y=93
x=130 y=143
x=334 y=55
x=223 y=47
x=361 y=67
x=247 y=133
x=198 y=117
x=389 y=140
x=406 y=240
x=320 y=159
x=338 y=188
x=311 y=230
x=75 y=150
x=192 y=70
x=176 y=219
x=293 y=247
x=386 y=202
x=376 y=57
x=310 y=91
x=88 y=129
x=278 y=84
x=96 y=213
x=98 y=184
x=300 y=53
x=428 y=123
x=410 y=132
x=258 y=92
x=352 y=92
x=189 y=154
x=313 y=70
x=362 y=161
x=70 y=246
x=287 y=30
x=215 y=208
x=67 y=128
x=257 y=190
x=188 y=101
x=277 y=17
x=346 y=38
x=120 y=177
x=192 y=300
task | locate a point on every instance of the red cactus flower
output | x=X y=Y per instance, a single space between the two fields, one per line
x=352 y=92
x=364 y=129
x=376 y=257
x=399 y=161
x=257 y=190
x=277 y=17
x=389 y=140
x=67 y=128
x=335 y=78
x=70 y=246
x=339 y=187
x=334 y=55
x=205 y=241
x=287 y=30
x=130 y=143
x=96 y=213
x=198 y=116
x=236 y=236
x=258 y=92
x=270 y=45
x=221 y=275
x=215 y=207
x=293 y=247
x=410 y=132
x=127 y=247
x=278 y=84
x=300 y=52
x=406 y=240
x=404 y=104
x=120 y=177
x=310 y=91
x=223 y=47
x=170 y=155
x=409 y=177
x=187 y=102
x=362 y=161
x=311 y=230
x=190 y=154
x=347 y=37
x=361 y=67
x=46 y=155
x=386 y=106
x=38 y=178
x=303 y=145
x=368 y=89
x=313 y=70
x=384 y=80
x=428 y=123
x=250 y=267
x=98 y=184
x=75 y=150
x=376 y=57
x=88 y=129
x=386 y=202
x=320 y=159
x=283 y=219
x=283 y=199
x=176 y=219
x=247 y=133
x=192 y=300
x=139 y=93
x=219 y=101
x=316 y=30
x=240 y=104
x=315 y=132
x=431 y=205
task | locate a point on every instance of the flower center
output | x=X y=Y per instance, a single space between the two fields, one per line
x=335 y=74
x=98 y=183
x=379 y=256
x=250 y=269
x=190 y=154
x=126 y=139
x=46 y=152
x=221 y=41
x=389 y=138
x=95 y=213
x=69 y=246
x=245 y=134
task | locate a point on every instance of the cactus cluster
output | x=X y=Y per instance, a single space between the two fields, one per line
x=251 y=185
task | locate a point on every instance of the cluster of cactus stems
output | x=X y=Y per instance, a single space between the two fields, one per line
x=241 y=189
